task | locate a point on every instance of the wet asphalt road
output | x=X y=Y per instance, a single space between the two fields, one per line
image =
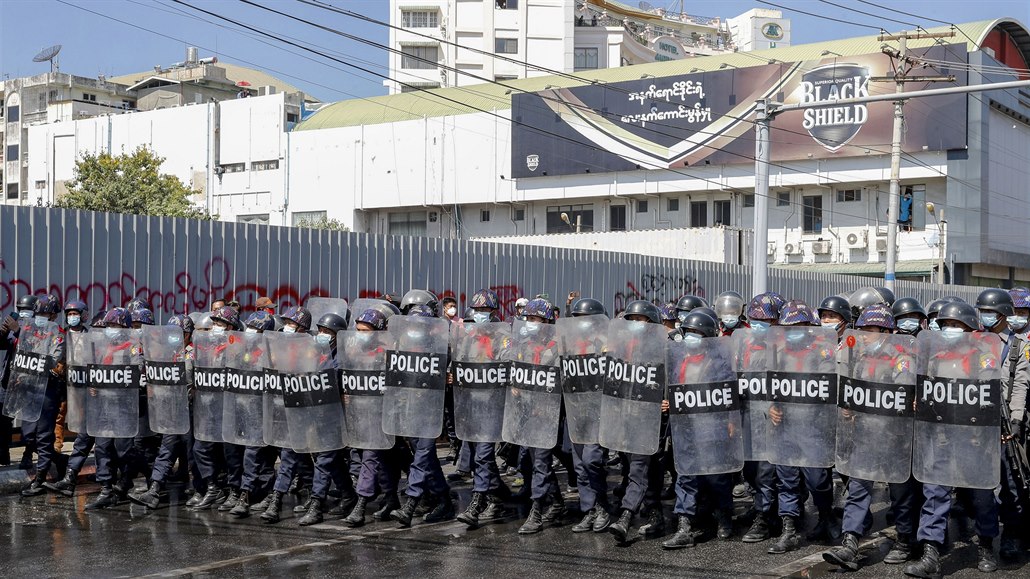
x=52 y=536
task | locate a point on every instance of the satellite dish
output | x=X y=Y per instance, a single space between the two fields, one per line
x=646 y=7
x=48 y=55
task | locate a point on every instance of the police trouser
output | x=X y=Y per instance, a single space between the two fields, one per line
x=41 y=432
x=984 y=505
x=933 y=516
x=906 y=502
x=80 y=452
x=545 y=482
x=425 y=474
x=330 y=470
x=233 y=455
x=354 y=461
x=465 y=457
x=858 y=516
x=1011 y=510
x=171 y=445
x=258 y=469
x=818 y=481
x=486 y=477
x=293 y=465
x=762 y=477
x=588 y=460
x=120 y=453
x=380 y=470
x=644 y=479
x=209 y=459
x=718 y=489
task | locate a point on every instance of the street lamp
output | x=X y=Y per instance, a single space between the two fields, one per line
x=942 y=224
x=578 y=227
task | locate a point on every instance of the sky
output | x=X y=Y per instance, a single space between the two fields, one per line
x=157 y=32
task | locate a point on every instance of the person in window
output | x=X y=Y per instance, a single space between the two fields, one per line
x=905 y=216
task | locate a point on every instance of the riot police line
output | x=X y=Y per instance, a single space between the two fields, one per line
x=776 y=390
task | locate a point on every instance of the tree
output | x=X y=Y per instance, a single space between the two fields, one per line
x=323 y=223
x=128 y=183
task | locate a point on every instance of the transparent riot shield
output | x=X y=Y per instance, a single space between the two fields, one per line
x=480 y=380
x=874 y=406
x=631 y=406
x=311 y=394
x=416 y=375
x=361 y=304
x=957 y=413
x=275 y=431
x=30 y=370
x=319 y=306
x=209 y=378
x=362 y=360
x=801 y=396
x=583 y=368
x=532 y=404
x=112 y=409
x=79 y=354
x=246 y=357
x=704 y=407
x=752 y=361
x=165 y=367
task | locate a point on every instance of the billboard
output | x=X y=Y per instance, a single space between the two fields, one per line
x=708 y=117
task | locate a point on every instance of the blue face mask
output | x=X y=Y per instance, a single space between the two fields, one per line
x=481 y=317
x=174 y=340
x=908 y=325
x=73 y=321
x=112 y=332
x=989 y=319
x=323 y=339
x=796 y=336
x=730 y=322
x=692 y=340
x=759 y=325
x=41 y=321
x=1017 y=323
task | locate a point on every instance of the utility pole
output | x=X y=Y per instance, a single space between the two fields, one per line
x=902 y=66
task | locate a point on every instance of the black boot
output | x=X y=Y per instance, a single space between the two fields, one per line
x=150 y=499
x=827 y=528
x=303 y=503
x=845 y=556
x=343 y=508
x=620 y=528
x=314 y=514
x=901 y=551
x=241 y=509
x=210 y=498
x=35 y=488
x=604 y=519
x=230 y=501
x=534 y=522
x=470 y=516
x=654 y=526
x=789 y=539
x=1009 y=546
x=356 y=517
x=60 y=465
x=986 y=561
x=388 y=505
x=404 y=514
x=929 y=567
x=107 y=498
x=274 y=509
x=65 y=486
x=555 y=511
x=443 y=511
x=586 y=524
x=759 y=530
x=262 y=505
x=494 y=509
x=724 y=523
x=682 y=538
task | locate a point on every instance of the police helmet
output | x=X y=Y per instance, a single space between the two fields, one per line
x=229 y=316
x=138 y=303
x=700 y=321
x=373 y=317
x=332 y=322
x=143 y=316
x=667 y=312
x=485 y=298
x=26 y=302
x=689 y=302
x=864 y=297
x=202 y=320
x=764 y=307
x=420 y=311
x=887 y=295
x=906 y=306
x=470 y=316
x=729 y=304
x=1020 y=297
x=706 y=310
x=588 y=307
x=876 y=315
x=797 y=313
x=539 y=307
x=837 y=305
x=76 y=305
x=996 y=300
x=98 y=320
x=960 y=312
x=298 y=315
x=646 y=309
x=418 y=297
x=181 y=321
x=261 y=321
x=118 y=317
x=48 y=305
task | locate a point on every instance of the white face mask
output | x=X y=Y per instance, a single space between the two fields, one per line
x=934 y=325
x=529 y=329
x=796 y=336
x=908 y=325
x=1017 y=323
x=250 y=330
x=451 y=312
x=834 y=325
x=481 y=317
x=24 y=314
x=217 y=330
x=289 y=330
x=952 y=332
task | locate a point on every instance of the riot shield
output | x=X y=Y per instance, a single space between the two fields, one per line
x=957 y=414
x=164 y=363
x=704 y=407
x=752 y=357
x=311 y=394
x=30 y=370
x=274 y=430
x=79 y=354
x=112 y=410
x=631 y=406
x=246 y=357
x=362 y=361
x=800 y=396
x=532 y=404
x=319 y=306
x=480 y=380
x=874 y=406
x=209 y=378
x=583 y=368
x=416 y=374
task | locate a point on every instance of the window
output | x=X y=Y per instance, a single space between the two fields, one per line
x=506 y=45
x=12 y=190
x=128 y=105
x=519 y=214
x=264 y=165
x=585 y=58
x=721 y=212
x=308 y=217
x=617 y=218
x=40 y=184
x=484 y=215
x=812 y=215
x=12 y=153
x=419 y=57
x=417 y=87
x=504 y=77
x=89 y=97
x=749 y=201
x=699 y=214
x=642 y=206
x=13 y=114
x=585 y=214
x=845 y=195
x=254 y=219
x=674 y=205
x=783 y=199
x=408 y=223
x=420 y=18
x=507 y=4
x=233 y=167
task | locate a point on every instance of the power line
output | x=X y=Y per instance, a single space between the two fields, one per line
x=848 y=22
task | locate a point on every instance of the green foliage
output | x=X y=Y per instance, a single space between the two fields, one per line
x=323 y=223
x=128 y=183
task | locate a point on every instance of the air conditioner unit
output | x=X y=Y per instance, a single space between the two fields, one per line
x=792 y=249
x=771 y=248
x=858 y=240
x=881 y=245
x=821 y=247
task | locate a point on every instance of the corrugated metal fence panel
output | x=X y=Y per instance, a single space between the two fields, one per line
x=181 y=265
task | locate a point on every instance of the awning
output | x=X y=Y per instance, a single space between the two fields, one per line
x=912 y=267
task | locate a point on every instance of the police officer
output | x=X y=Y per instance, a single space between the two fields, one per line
x=25 y=309
x=667 y=313
x=835 y=312
x=1021 y=310
x=520 y=305
x=909 y=316
x=42 y=430
x=729 y=307
x=76 y=314
x=934 y=308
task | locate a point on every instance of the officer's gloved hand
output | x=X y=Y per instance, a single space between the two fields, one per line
x=1017 y=429
x=8 y=325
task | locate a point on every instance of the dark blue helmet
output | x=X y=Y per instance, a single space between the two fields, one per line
x=797 y=312
x=48 y=304
x=1020 y=297
x=877 y=315
x=227 y=314
x=539 y=307
x=668 y=312
x=261 y=321
x=298 y=315
x=372 y=317
x=420 y=311
x=143 y=316
x=118 y=317
x=765 y=307
x=485 y=298
x=138 y=304
x=77 y=305
x=181 y=321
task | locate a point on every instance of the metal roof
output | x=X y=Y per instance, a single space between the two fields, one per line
x=910 y=267
x=497 y=96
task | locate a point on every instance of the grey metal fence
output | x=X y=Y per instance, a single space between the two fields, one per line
x=181 y=265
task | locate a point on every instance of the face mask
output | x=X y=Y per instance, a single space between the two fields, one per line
x=759 y=325
x=41 y=321
x=637 y=326
x=416 y=335
x=217 y=330
x=934 y=326
x=908 y=325
x=363 y=337
x=529 y=329
x=875 y=347
x=691 y=340
x=73 y=321
x=834 y=325
x=24 y=314
x=323 y=339
x=289 y=330
x=451 y=312
x=951 y=332
x=730 y=321
x=174 y=340
x=111 y=332
x=1017 y=323
x=796 y=336
x=989 y=319
x=251 y=331
x=481 y=317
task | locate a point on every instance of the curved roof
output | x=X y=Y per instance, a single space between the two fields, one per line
x=497 y=96
x=233 y=72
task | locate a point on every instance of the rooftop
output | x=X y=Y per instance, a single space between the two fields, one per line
x=233 y=72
